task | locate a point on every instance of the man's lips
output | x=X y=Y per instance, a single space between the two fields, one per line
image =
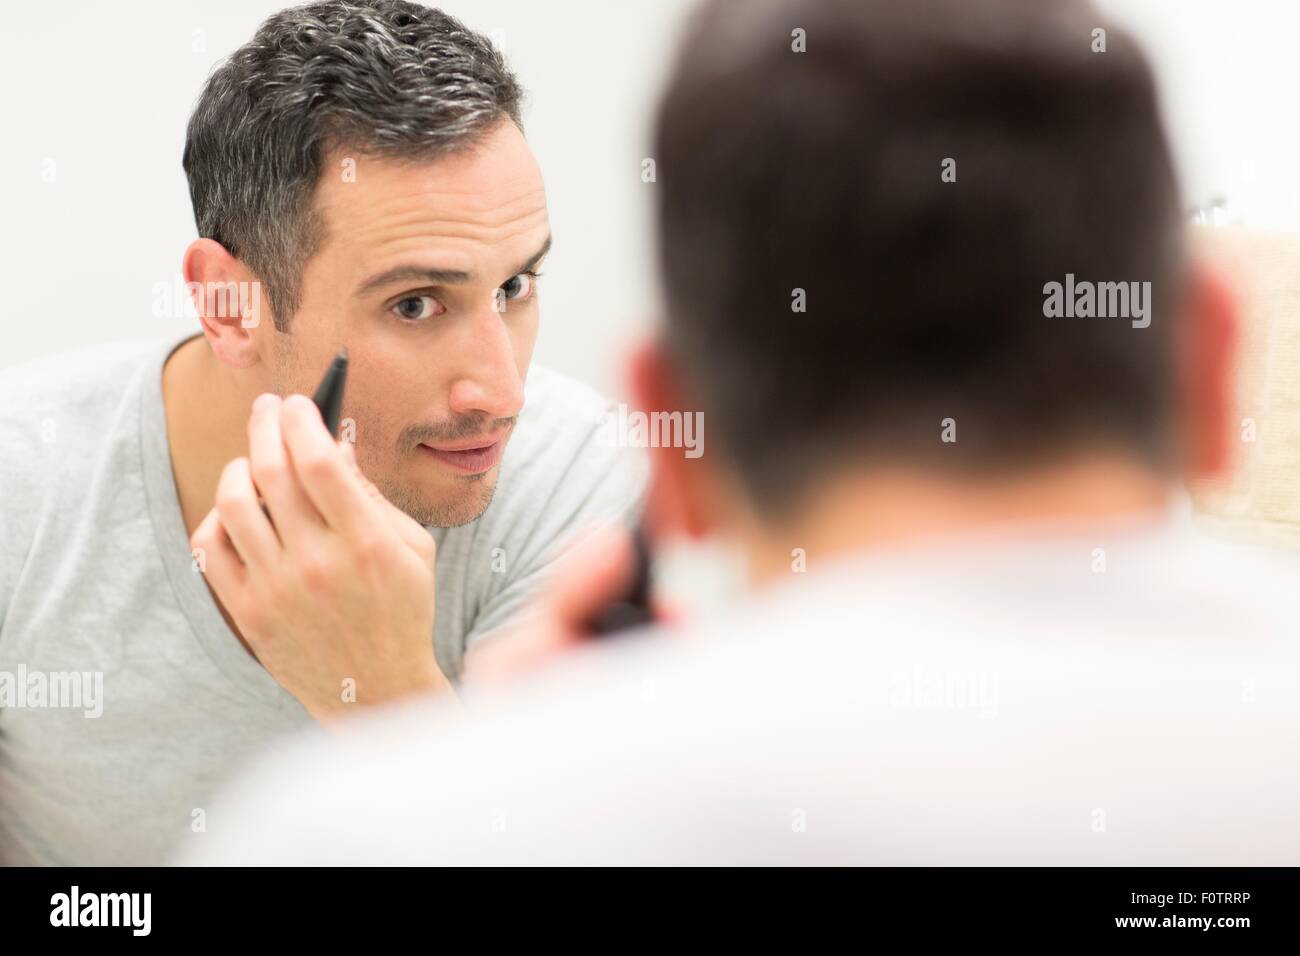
x=470 y=457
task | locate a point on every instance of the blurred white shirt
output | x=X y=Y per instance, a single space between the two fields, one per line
x=1127 y=695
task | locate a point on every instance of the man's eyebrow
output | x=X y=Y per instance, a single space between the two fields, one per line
x=432 y=276
x=536 y=258
x=413 y=274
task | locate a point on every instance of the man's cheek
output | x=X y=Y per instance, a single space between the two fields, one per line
x=369 y=439
x=524 y=343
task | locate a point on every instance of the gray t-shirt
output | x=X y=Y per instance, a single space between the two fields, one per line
x=124 y=696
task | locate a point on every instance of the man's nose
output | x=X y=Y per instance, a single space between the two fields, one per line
x=488 y=378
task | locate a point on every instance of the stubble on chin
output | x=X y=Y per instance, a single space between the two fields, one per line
x=466 y=502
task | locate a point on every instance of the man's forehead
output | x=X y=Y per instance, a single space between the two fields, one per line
x=495 y=175
x=486 y=199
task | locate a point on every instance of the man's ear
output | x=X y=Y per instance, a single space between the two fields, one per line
x=684 y=496
x=229 y=300
x=1208 y=370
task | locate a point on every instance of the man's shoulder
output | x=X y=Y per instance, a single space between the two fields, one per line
x=1205 y=583
x=62 y=416
x=556 y=403
x=58 y=411
x=67 y=364
x=84 y=378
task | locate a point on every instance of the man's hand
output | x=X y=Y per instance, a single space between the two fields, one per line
x=334 y=591
x=596 y=573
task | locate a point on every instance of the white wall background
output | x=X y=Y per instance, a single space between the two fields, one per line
x=103 y=91
x=1229 y=77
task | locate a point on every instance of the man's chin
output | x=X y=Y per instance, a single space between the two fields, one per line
x=452 y=508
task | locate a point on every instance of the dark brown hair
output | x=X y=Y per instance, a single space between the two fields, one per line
x=821 y=171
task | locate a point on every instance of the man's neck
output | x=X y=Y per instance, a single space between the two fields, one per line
x=207 y=415
x=901 y=509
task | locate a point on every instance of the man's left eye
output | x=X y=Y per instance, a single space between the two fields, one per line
x=521 y=286
x=416 y=307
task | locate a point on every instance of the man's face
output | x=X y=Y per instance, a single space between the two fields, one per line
x=423 y=275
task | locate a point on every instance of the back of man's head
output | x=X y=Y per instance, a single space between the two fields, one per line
x=861 y=205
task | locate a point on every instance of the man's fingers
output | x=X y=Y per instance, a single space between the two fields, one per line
x=216 y=556
x=412 y=533
x=242 y=518
x=296 y=518
x=516 y=649
x=594 y=575
x=324 y=473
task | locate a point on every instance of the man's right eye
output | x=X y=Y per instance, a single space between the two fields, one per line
x=416 y=307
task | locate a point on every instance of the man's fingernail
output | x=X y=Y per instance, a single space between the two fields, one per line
x=263 y=400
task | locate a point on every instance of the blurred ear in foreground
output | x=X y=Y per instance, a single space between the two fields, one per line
x=1207 y=368
x=1254 y=492
x=686 y=495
